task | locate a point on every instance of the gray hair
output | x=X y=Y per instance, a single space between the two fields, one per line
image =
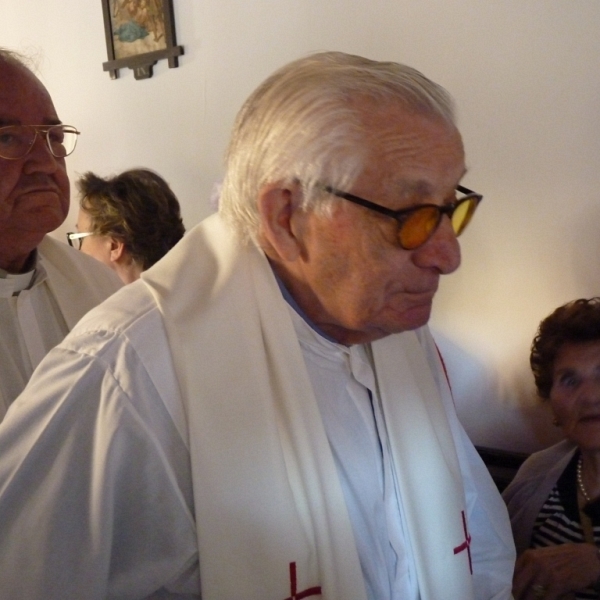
x=303 y=125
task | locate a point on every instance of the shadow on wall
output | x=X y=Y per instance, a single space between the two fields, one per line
x=585 y=258
x=496 y=412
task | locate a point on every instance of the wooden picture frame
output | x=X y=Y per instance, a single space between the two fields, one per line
x=138 y=34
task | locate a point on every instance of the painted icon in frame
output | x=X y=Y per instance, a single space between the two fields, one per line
x=138 y=34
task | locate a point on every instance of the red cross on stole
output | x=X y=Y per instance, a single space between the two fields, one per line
x=313 y=591
x=466 y=545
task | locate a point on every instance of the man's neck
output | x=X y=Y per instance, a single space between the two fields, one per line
x=292 y=302
x=19 y=264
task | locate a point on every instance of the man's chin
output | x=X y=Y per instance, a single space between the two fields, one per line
x=42 y=220
x=413 y=318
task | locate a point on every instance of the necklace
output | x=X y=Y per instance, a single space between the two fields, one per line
x=580 y=480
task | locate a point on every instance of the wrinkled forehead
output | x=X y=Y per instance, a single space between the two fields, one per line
x=23 y=97
x=410 y=151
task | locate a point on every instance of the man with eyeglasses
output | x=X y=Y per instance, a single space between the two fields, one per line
x=45 y=287
x=264 y=414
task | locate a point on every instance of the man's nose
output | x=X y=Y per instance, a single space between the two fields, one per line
x=40 y=158
x=441 y=251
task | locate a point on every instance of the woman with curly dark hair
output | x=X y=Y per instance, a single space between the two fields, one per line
x=128 y=221
x=554 y=500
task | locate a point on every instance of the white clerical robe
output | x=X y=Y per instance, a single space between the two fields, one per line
x=158 y=455
x=38 y=308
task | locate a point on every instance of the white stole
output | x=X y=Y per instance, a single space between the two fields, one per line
x=266 y=492
x=77 y=282
x=427 y=467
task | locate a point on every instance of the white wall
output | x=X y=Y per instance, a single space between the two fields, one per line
x=525 y=77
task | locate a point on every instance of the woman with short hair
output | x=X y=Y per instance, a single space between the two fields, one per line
x=128 y=221
x=554 y=500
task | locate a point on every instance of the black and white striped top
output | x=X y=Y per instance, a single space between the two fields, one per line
x=558 y=520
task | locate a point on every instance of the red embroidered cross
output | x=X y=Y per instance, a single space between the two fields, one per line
x=466 y=545
x=313 y=591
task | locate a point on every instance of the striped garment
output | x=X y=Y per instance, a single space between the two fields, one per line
x=558 y=520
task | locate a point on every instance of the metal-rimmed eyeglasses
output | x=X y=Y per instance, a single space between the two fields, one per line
x=75 y=236
x=418 y=223
x=16 y=141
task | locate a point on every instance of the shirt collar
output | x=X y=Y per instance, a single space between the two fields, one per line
x=13 y=283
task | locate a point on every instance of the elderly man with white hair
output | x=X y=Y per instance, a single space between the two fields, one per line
x=264 y=415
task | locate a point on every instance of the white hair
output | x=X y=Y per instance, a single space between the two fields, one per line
x=303 y=125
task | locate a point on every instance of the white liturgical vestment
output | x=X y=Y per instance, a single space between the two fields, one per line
x=172 y=446
x=38 y=308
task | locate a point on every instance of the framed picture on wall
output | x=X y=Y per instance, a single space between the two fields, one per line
x=138 y=34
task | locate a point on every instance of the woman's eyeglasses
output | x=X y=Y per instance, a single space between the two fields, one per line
x=77 y=238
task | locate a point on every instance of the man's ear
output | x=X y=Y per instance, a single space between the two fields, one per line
x=117 y=250
x=280 y=221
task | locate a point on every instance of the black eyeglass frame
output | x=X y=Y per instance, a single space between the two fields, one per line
x=45 y=131
x=400 y=215
x=76 y=235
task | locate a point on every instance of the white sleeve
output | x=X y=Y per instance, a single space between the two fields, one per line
x=95 y=496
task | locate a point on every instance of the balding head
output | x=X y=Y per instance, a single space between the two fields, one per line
x=34 y=189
